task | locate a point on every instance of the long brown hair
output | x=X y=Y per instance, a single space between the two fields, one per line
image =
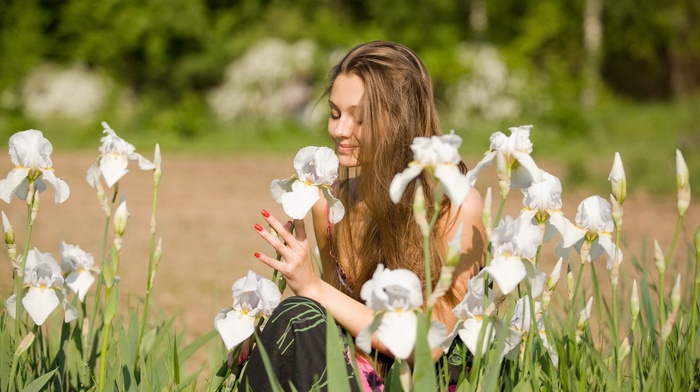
x=397 y=106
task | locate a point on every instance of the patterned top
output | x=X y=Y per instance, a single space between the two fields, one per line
x=345 y=280
x=371 y=381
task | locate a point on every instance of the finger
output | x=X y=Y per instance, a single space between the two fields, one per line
x=277 y=226
x=272 y=263
x=273 y=240
x=300 y=230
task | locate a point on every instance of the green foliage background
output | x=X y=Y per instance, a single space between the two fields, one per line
x=169 y=53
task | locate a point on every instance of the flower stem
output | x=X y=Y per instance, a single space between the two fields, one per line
x=500 y=209
x=694 y=303
x=614 y=326
x=662 y=305
x=19 y=276
x=151 y=274
x=105 y=345
x=98 y=288
x=426 y=250
x=679 y=225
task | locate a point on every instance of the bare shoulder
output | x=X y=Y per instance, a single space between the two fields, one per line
x=471 y=209
x=468 y=216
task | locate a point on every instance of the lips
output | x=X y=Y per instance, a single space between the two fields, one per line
x=345 y=148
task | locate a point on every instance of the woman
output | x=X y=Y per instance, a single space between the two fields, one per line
x=380 y=98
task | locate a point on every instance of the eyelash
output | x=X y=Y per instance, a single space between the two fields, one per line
x=334 y=117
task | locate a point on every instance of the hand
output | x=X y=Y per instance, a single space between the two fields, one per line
x=296 y=264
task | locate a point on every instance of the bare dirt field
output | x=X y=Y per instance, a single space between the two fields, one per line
x=206 y=210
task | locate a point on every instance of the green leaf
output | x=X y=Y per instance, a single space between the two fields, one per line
x=176 y=363
x=191 y=348
x=112 y=306
x=393 y=378
x=424 y=378
x=219 y=377
x=39 y=383
x=335 y=358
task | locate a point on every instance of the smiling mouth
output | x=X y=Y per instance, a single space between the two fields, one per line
x=345 y=147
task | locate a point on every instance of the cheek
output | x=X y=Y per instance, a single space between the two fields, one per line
x=357 y=133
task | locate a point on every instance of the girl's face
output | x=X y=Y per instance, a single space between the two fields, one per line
x=343 y=126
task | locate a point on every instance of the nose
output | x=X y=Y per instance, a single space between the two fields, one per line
x=341 y=127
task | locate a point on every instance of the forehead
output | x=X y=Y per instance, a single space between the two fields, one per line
x=347 y=90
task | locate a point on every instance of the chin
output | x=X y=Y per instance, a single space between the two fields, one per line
x=348 y=161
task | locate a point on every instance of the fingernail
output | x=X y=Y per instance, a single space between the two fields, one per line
x=258 y=227
x=257 y=255
x=265 y=213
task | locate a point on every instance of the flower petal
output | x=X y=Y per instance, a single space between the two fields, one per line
x=470 y=332
x=335 y=206
x=93 y=175
x=39 y=303
x=363 y=341
x=233 y=327
x=484 y=162
x=113 y=168
x=144 y=164
x=447 y=342
x=30 y=149
x=280 y=187
x=9 y=186
x=401 y=180
x=69 y=312
x=436 y=334
x=397 y=331
x=606 y=243
x=570 y=234
x=455 y=184
x=61 y=189
x=11 y=305
x=299 y=201
x=537 y=279
x=526 y=172
x=507 y=271
x=80 y=283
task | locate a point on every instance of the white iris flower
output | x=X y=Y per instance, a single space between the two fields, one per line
x=514 y=165
x=30 y=152
x=471 y=316
x=42 y=276
x=79 y=266
x=396 y=297
x=316 y=169
x=514 y=245
x=594 y=224
x=543 y=204
x=112 y=163
x=254 y=298
x=521 y=324
x=438 y=155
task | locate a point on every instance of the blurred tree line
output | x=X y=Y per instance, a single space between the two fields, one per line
x=649 y=49
x=169 y=52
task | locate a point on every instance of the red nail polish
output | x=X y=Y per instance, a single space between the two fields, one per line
x=258 y=227
x=257 y=255
x=265 y=213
